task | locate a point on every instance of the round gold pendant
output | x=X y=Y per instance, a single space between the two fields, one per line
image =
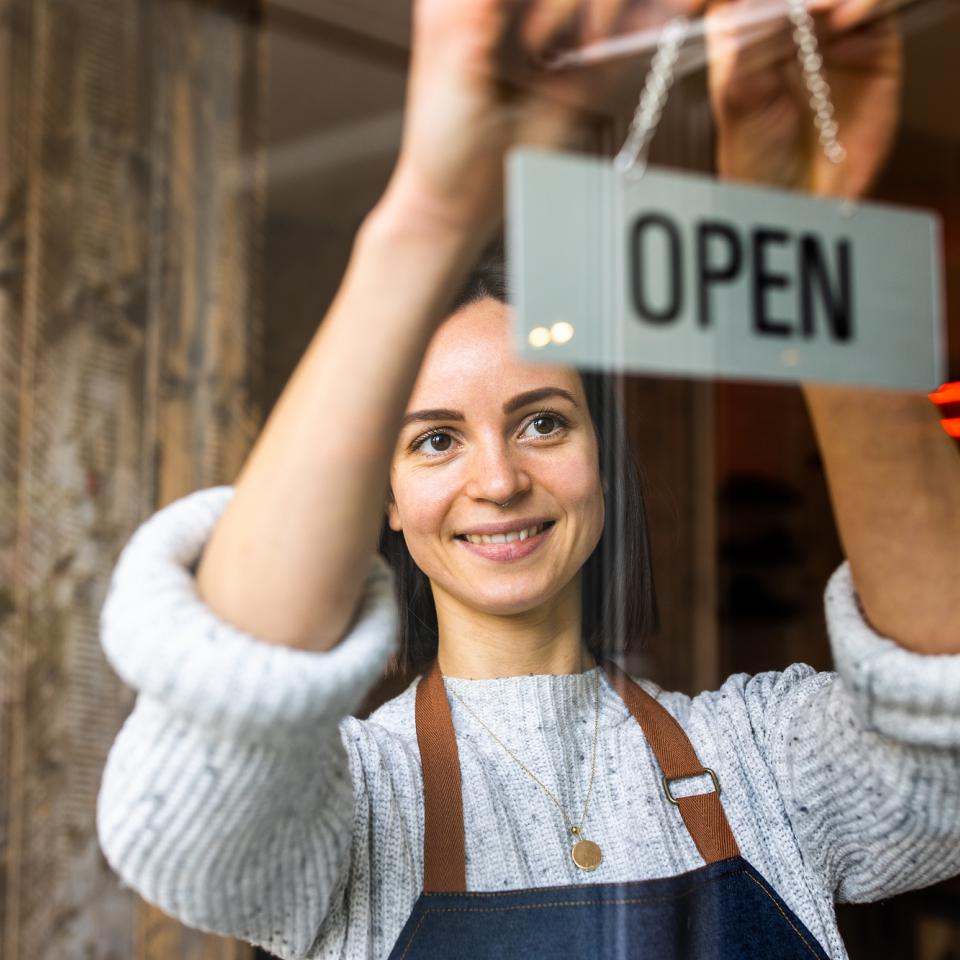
x=586 y=855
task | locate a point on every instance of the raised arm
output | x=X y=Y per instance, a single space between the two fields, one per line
x=287 y=560
x=895 y=485
x=233 y=797
x=865 y=760
x=894 y=476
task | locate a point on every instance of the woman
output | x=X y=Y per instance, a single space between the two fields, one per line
x=542 y=799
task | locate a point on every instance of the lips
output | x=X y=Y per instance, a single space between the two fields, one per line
x=514 y=525
x=510 y=550
x=506 y=536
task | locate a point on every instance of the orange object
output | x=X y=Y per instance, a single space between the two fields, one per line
x=947 y=399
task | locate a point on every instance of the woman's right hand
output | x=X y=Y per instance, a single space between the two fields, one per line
x=477 y=87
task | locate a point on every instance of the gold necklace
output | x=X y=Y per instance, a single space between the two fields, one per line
x=584 y=853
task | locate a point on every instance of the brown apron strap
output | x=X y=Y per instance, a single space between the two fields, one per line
x=702 y=813
x=444 y=860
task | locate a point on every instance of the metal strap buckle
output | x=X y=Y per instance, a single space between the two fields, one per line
x=687 y=776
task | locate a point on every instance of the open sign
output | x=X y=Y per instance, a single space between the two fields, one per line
x=678 y=274
x=818 y=274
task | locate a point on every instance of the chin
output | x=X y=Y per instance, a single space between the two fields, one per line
x=506 y=607
x=501 y=600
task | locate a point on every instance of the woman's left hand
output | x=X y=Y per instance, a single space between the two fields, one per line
x=765 y=129
x=894 y=487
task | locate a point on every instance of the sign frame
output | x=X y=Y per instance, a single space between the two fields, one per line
x=573 y=281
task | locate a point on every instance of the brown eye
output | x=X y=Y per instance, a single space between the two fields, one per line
x=433 y=444
x=551 y=425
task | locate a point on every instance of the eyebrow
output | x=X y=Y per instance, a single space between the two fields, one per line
x=511 y=406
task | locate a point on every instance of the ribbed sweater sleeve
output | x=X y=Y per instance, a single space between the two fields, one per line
x=867 y=759
x=226 y=799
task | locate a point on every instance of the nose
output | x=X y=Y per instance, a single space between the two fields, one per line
x=497 y=473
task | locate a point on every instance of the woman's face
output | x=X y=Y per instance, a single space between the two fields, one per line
x=482 y=428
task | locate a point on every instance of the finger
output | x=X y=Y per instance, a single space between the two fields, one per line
x=460 y=29
x=583 y=21
x=600 y=18
x=841 y=15
x=648 y=14
x=745 y=56
x=546 y=19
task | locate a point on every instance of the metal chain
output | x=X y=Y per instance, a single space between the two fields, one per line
x=633 y=154
x=653 y=98
x=575 y=829
x=819 y=89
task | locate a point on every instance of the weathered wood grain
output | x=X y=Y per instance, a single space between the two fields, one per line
x=129 y=344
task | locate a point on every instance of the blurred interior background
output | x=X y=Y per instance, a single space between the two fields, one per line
x=181 y=183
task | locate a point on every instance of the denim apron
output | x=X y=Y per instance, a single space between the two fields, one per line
x=724 y=910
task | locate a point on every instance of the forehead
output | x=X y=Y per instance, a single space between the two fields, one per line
x=470 y=358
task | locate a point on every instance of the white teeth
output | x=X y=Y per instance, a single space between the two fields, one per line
x=504 y=537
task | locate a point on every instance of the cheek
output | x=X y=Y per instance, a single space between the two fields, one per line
x=586 y=489
x=577 y=481
x=581 y=481
x=422 y=499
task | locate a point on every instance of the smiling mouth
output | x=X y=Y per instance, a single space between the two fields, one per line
x=509 y=537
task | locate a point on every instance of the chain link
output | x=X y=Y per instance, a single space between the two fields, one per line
x=653 y=98
x=632 y=156
x=812 y=64
x=575 y=829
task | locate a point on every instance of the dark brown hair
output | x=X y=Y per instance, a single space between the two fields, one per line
x=619 y=605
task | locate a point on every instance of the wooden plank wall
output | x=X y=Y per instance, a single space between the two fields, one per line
x=129 y=327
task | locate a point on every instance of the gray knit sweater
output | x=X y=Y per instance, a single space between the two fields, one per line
x=241 y=797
